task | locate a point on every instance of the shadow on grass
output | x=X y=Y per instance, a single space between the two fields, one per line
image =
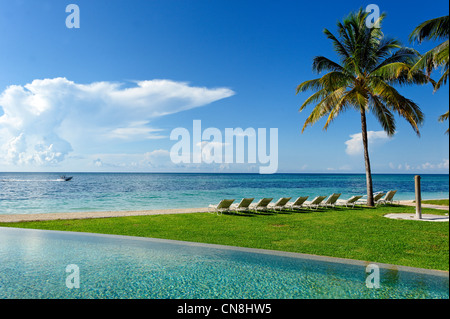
x=254 y=213
x=249 y=213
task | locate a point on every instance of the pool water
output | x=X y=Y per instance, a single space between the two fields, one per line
x=33 y=265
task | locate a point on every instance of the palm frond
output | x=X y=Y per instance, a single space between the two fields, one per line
x=394 y=101
x=402 y=55
x=441 y=81
x=335 y=79
x=444 y=117
x=385 y=48
x=339 y=107
x=318 y=96
x=433 y=29
x=432 y=59
x=324 y=86
x=338 y=46
x=426 y=63
x=321 y=63
x=383 y=115
x=441 y=53
x=324 y=106
x=391 y=70
x=400 y=73
x=309 y=85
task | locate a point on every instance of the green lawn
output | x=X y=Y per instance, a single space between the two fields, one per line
x=360 y=233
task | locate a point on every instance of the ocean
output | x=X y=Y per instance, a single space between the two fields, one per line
x=30 y=193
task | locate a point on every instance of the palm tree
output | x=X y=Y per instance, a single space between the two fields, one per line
x=370 y=64
x=444 y=117
x=434 y=29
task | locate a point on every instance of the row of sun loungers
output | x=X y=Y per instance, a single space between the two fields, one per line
x=264 y=204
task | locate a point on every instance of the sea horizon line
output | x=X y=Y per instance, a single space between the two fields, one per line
x=215 y=173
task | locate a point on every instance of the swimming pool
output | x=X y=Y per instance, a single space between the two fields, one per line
x=34 y=264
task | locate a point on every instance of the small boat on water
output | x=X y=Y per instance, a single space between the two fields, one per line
x=65 y=178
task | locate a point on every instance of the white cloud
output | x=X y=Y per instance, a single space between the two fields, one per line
x=444 y=164
x=210 y=151
x=98 y=162
x=427 y=166
x=341 y=168
x=137 y=130
x=355 y=145
x=156 y=159
x=42 y=121
x=33 y=149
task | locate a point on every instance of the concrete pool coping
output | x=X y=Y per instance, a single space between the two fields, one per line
x=319 y=258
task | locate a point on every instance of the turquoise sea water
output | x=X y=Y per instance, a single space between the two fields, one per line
x=26 y=193
x=33 y=265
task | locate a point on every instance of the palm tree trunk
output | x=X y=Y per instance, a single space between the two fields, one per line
x=366 y=159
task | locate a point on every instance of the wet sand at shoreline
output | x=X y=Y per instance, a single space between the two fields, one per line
x=12 y=218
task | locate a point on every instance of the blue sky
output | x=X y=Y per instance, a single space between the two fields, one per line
x=106 y=96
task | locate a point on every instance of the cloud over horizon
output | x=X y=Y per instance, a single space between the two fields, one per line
x=43 y=121
x=354 y=145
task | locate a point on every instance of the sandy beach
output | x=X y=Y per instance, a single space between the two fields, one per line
x=412 y=203
x=12 y=218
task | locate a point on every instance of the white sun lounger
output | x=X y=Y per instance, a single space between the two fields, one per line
x=223 y=206
x=243 y=205
x=261 y=205
x=388 y=199
x=315 y=202
x=280 y=204
x=351 y=201
x=376 y=198
x=298 y=203
x=331 y=200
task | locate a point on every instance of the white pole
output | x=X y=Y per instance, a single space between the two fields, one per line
x=418 y=197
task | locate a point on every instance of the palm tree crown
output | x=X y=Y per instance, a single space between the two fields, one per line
x=434 y=29
x=369 y=66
